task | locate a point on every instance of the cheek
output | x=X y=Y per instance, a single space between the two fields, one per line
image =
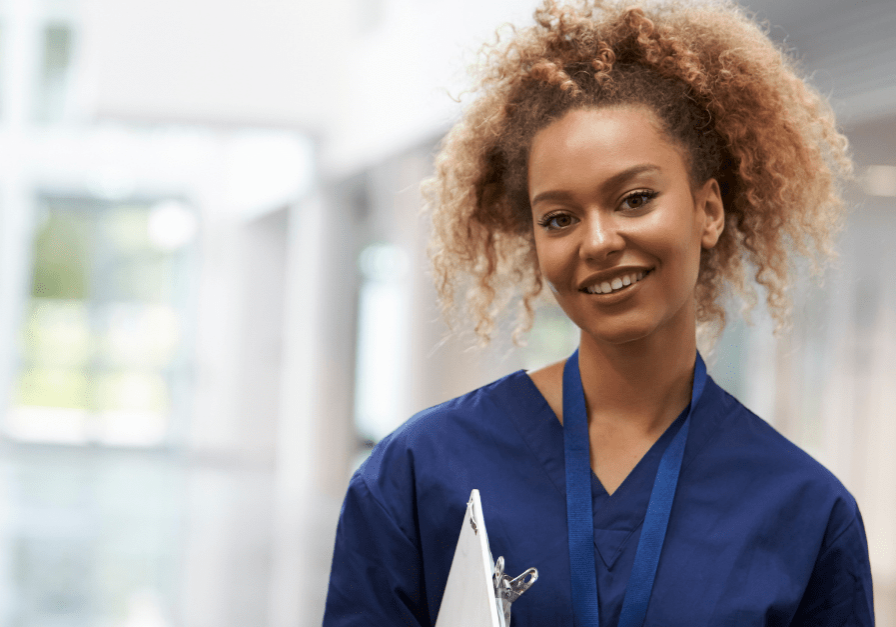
x=672 y=237
x=553 y=259
x=683 y=263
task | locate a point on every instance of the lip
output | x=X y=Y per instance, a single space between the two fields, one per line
x=620 y=295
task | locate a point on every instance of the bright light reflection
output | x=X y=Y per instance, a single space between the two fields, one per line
x=172 y=224
x=60 y=425
x=382 y=338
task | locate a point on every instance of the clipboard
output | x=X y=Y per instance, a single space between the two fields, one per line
x=478 y=592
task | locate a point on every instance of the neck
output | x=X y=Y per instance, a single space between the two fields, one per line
x=639 y=386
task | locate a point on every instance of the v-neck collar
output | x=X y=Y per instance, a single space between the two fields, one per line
x=618 y=516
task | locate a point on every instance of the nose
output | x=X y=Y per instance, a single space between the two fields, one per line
x=602 y=236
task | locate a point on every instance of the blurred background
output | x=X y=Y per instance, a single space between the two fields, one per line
x=213 y=291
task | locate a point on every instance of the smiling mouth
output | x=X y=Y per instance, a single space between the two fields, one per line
x=618 y=284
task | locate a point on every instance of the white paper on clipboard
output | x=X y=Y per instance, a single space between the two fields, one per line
x=474 y=595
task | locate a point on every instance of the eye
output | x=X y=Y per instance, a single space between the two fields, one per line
x=556 y=220
x=638 y=200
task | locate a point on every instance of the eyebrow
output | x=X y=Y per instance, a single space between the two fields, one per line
x=614 y=181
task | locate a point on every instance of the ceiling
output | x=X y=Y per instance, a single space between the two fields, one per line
x=848 y=48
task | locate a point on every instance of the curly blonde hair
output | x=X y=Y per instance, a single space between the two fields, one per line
x=722 y=91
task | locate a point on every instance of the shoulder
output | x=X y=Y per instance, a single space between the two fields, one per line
x=753 y=492
x=464 y=416
x=771 y=465
x=431 y=462
x=453 y=433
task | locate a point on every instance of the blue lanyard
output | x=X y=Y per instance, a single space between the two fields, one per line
x=580 y=517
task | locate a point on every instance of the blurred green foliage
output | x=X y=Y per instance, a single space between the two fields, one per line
x=54 y=387
x=101 y=330
x=62 y=250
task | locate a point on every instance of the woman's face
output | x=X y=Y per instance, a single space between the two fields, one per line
x=618 y=227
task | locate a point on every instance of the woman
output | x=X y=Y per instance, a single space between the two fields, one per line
x=636 y=161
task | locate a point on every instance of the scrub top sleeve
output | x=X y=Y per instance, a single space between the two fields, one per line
x=839 y=591
x=376 y=578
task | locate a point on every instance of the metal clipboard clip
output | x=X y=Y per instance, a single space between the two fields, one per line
x=508 y=590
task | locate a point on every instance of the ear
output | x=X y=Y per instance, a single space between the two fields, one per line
x=709 y=200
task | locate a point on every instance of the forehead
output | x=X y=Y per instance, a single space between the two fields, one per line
x=593 y=144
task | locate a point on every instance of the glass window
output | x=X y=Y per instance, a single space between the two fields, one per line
x=51 y=103
x=91 y=539
x=102 y=350
x=382 y=331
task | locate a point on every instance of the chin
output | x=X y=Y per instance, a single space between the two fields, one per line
x=619 y=336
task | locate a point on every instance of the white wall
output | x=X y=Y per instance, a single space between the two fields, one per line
x=235 y=63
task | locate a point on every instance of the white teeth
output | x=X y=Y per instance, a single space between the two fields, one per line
x=618 y=283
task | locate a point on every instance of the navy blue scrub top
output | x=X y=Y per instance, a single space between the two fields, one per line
x=759 y=534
